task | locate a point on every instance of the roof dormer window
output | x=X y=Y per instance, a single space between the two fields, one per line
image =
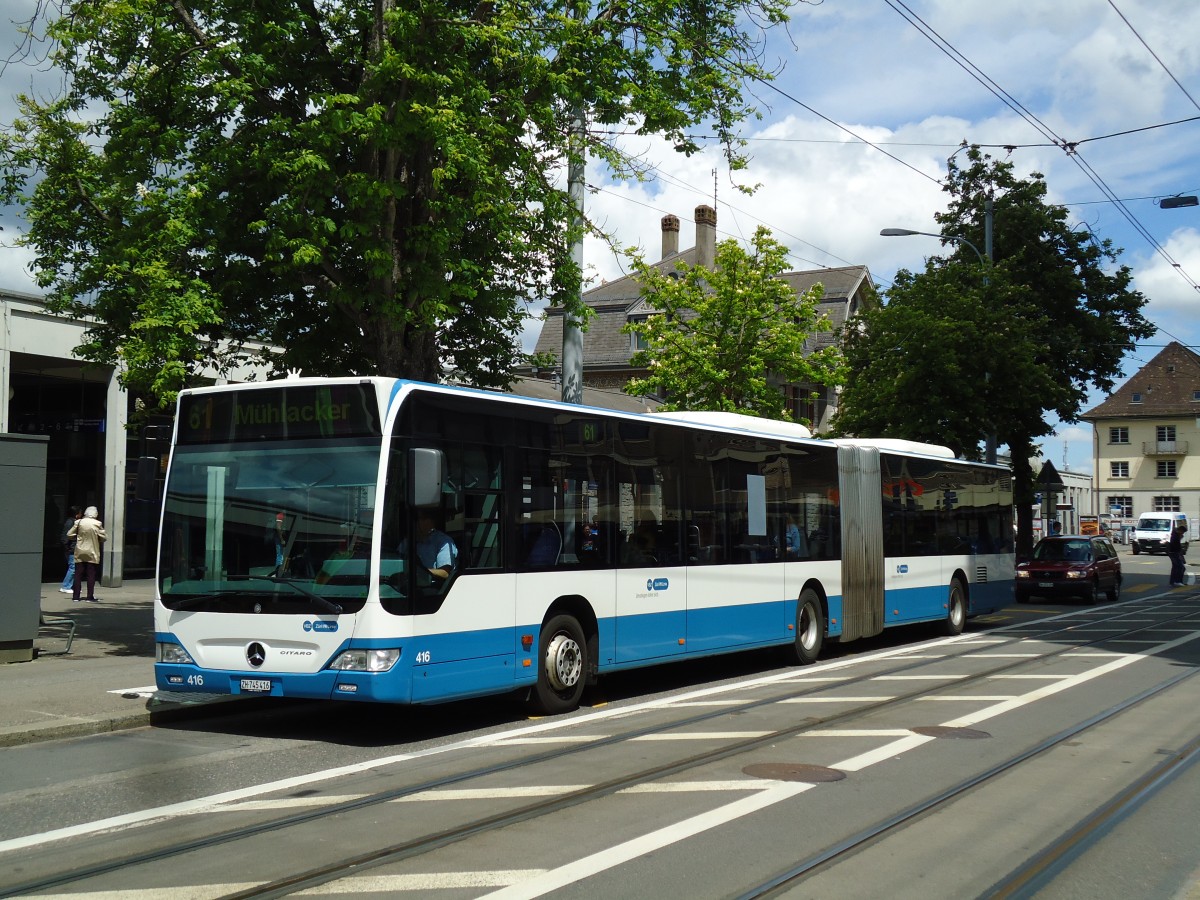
x=1137 y=397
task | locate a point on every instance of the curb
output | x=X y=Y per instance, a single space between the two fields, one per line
x=21 y=735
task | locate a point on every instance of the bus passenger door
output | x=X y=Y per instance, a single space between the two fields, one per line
x=651 y=602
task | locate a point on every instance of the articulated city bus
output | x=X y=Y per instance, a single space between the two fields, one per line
x=381 y=540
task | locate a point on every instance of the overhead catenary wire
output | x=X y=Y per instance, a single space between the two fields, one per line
x=1150 y=50
x=1071 y=148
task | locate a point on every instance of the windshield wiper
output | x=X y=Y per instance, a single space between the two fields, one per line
x=317 y=600
x=192 y=600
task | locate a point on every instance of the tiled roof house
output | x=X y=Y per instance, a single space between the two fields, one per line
x=1147 y=440
x=607 y=351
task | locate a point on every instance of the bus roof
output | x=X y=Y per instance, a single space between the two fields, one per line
x=714 y=419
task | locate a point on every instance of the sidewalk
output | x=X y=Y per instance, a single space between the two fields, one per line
x=105 y=683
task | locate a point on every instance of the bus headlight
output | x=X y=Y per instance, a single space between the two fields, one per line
x=366 y=660
x=172 y=653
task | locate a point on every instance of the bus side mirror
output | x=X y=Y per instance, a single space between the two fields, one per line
x=426 y=468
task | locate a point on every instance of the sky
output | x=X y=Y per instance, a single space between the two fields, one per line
x=857 y=128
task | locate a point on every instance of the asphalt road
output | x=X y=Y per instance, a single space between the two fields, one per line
x=707 y=779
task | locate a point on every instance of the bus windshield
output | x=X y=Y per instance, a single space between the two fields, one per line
x=286 y=522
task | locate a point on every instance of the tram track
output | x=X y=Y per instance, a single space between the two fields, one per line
x=1074 y=840
x=417 y=846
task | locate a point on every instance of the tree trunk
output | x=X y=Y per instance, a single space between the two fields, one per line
x=1021 y=450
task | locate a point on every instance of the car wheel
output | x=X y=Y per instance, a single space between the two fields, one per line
x=1136 y=551
x=1092 y=595
x=1114 y=592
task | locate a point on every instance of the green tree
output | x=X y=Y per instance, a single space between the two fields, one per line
x=964 y=349
x=727 y=338
x=369 y=186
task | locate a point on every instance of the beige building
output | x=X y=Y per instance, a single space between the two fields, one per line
x=1146 y=440
x=607 y=351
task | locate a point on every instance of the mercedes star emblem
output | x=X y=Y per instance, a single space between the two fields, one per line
x=256 y=654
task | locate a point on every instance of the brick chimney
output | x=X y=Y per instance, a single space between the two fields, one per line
x=706 y=236
x=670 y=236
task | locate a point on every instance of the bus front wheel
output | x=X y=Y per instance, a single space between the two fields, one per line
x=810 y=629
x=562 y=668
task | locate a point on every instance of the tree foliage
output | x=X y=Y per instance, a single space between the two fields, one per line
x=964 y=349
x=728 y=338
x=369 y=186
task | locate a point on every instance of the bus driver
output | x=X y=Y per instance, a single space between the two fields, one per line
x=436 y=551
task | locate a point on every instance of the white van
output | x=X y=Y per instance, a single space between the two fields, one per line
x=1153 y=531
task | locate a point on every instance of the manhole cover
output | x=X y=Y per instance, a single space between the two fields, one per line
x=793 y=772
x=945 y=731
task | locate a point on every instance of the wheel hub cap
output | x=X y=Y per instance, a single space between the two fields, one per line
x=564 y=662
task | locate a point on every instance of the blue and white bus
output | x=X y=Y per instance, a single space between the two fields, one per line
x=570 y=541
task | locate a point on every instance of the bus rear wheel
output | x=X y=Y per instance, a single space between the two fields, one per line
x=562 y=666
x=810 y=629
x=956 y=610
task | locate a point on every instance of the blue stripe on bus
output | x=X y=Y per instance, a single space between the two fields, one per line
x=457 y=668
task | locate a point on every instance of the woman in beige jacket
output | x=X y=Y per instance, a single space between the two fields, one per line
x=89 y=534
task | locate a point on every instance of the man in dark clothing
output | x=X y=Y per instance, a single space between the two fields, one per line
x=68 y=545
x=1175 y=553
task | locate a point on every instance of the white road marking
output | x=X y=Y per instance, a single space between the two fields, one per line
x=189 y=892
x=433 y=881
x=285 y=803
x=794 y=700
x=687 y=787
x=553 y=739
x=580 y=869
x=701 y=736
x=976 y=697
x=537 y=790
x=707 y=703
x=140 y=691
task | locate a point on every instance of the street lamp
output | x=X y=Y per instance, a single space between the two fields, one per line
x=1178 y=201
x=905 y=232
x=990 y=439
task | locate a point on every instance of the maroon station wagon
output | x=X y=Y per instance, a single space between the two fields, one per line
x=1071 y=564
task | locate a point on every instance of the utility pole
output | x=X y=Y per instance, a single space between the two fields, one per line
x=989 y=444
x=572 y=350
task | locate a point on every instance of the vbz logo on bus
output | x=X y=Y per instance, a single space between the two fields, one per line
x=657 y=584
x=902 y=569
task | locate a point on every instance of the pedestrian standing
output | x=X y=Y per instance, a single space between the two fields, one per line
x=1175 y=554
x=89 y=535
x=74 y=514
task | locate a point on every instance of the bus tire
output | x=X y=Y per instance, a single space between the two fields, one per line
x=956 y=610
x=810 y=629
x=562 y=666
